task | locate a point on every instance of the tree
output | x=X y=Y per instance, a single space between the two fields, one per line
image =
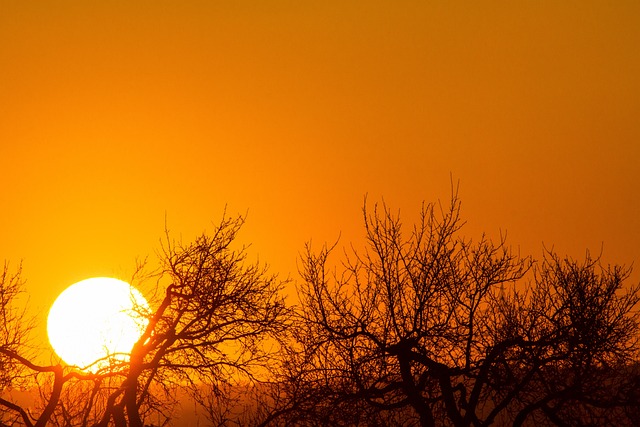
x=209 y=327
x=424 y=329
x=216 y=322
x=13 y=333
x=16 y=370
x=435 y=329
x=577 y=334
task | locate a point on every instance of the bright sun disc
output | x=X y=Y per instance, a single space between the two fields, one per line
x=96 y=319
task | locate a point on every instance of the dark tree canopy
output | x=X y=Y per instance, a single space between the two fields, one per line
x=423 y=327
x=214 y=324
x=211 y=324
x=430 y=328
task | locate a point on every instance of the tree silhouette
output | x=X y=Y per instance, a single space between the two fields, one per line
x=434 y=329
x=214 y=324
x=577 y=335
x=427 y=328
x=208 y=328
x=13 y=333
x=16 y=369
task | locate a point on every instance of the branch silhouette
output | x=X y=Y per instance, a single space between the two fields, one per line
x=420 y=327
x=432 y=329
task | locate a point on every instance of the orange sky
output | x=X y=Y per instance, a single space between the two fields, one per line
x=113 y=114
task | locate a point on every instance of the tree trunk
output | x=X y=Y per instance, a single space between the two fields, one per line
x=130 y=385
x=415 y=397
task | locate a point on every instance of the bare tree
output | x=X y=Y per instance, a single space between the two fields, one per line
x=13 y=336
x=17 y=371
x=13 y=327
x=577 y=353
x=435 y=329
x=216 y=323
x=422 y=329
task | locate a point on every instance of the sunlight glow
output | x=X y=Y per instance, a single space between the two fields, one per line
x=96 y=319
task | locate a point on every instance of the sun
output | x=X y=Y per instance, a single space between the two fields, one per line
x=96 y=321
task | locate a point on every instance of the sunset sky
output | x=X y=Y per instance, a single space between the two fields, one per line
x=115 y=115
